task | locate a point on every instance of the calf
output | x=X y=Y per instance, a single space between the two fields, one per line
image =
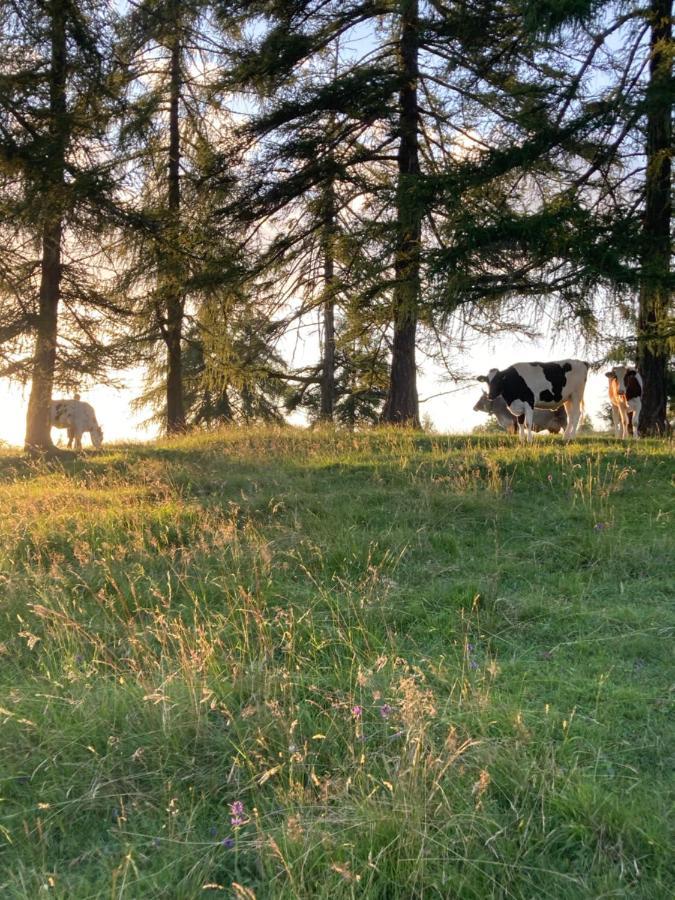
x=625 y=395
x=77 y=417
x=525 y=386
x=554 y=420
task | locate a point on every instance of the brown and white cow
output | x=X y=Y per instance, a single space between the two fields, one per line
x=77 y=417
x=625 y=395
x=553 y=420
x=525 y=386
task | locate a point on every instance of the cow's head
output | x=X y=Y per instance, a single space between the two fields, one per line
x=484 y=404
x=493 y=379
x=97 y=436
x=622 y=374
x=495 y=383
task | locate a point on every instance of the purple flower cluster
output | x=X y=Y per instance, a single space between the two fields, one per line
x=237 y=814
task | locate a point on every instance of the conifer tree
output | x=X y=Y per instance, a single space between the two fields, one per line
x=402 y=405
x=56 y=189
x=448 y=108
x=299 y=181
x=231 y=370
x=655 y=332
x=178 y=251
x=625 y=53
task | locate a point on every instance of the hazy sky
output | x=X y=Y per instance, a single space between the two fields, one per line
x=450 y=413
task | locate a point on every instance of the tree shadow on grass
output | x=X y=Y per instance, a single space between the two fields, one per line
x=121 y=459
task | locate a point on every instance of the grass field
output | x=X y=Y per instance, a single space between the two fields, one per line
x=318 y=665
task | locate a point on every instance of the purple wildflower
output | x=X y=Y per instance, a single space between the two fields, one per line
x=385 y=710
x=237 y=814
x=473 y=664
x=228 y=842
x=600 y=526
x=357 y=712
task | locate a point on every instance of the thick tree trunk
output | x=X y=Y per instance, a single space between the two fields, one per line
x=328 y=362
x=38 y=425
x=401 y=405
x=655 y=300
x=175 y=404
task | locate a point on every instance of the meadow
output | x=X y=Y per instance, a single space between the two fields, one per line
x=289 y=664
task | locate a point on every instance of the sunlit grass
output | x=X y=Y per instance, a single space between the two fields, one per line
x=320 y=664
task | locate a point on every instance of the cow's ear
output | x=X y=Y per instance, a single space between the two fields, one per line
x=610 y=374
x=482 y=378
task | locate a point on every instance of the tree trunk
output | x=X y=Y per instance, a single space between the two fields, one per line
x=654 y=303
x=328 y=366
x=38 y=424
x=401 y=405
x=175 y=404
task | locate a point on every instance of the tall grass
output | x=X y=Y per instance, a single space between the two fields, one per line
x=287 y=664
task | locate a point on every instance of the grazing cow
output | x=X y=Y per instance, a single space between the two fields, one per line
x=553 y=420
x=625 y=395
x=78 y=417
x=525 y=386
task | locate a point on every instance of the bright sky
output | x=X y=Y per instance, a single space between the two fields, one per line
x=450 y=413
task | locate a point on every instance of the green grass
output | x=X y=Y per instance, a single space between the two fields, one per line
x=426 y=666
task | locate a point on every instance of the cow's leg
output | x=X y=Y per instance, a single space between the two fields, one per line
x=573 y=410
x=519 y=410
x=616 y=419
x=78 y=439
x=71 y=435
x=623 y=411
x=529 y=417
x=567 y=433
x=636 y=408
x=521 y=429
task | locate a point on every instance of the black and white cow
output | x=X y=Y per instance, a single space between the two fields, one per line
x=625 y=395
x=553 y=420
x=525 y=386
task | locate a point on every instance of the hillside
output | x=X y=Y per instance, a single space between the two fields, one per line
x=309 y=665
